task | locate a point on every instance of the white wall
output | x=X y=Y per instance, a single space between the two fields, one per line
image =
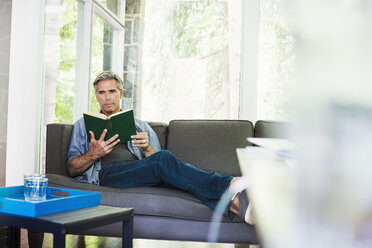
x=25 y=90
x=5 y=19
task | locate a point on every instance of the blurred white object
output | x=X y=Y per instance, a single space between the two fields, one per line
x=333 y=186
x=270 y=192
x=274 y=143
x=281 y=147
x=326 y=201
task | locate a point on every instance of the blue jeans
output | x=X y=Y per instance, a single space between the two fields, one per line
x=165 y=168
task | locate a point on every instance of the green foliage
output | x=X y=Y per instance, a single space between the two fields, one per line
x=199 y=28
x=67 y=56
x=66 y=79
x=64 y=105
x=68 y=35
x=277 y=61
x=192 y=34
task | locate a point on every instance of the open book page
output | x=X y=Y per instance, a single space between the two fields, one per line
x=103 y=116
x=98 y=115
x=118 y=113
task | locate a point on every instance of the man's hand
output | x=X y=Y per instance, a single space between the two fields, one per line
x=100 y=147
x=142 y=140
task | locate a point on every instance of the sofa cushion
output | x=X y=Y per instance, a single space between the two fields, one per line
x=161 y=130
x=271 y=129
x=148 y=201
x=209 y=144
x=58 y=140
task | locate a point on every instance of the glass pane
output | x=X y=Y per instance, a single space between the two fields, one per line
x=276 y=63
x=59 y=64
x=190 y=59
x=111 y=5
x=101 y=54
x=59 y=60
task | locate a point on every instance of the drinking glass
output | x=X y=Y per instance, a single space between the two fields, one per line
x=35 y=186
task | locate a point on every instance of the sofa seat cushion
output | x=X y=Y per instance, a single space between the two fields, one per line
x=147 y=201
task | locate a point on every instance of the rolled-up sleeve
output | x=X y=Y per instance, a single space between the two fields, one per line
x=79 y=144
x=153 y=138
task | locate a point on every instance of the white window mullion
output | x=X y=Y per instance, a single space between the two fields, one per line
x=121 y=10
x=118 y=36
x=83 y=57
x=118 y=63
x=86 y=11
x=249 y=60
x=118 y=54
x=108 y=16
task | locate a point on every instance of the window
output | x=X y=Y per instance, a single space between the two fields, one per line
x=59 y=61
x=188 y=59
x=82 y=38
x=276 y=63
x=112 y=5
x=102 y=48
x=71 y=54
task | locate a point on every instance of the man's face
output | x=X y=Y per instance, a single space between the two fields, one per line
x=108 y=96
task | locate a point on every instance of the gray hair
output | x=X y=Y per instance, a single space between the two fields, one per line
x=108 y=75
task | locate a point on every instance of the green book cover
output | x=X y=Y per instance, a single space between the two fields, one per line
x=121 y=123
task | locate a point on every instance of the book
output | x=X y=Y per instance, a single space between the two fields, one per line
x=121 y=123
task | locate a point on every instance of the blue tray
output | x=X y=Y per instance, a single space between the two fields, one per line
x=58 y=200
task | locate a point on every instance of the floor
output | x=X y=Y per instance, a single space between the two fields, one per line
x=77 y=241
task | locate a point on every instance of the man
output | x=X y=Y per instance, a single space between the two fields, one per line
x=140 y=162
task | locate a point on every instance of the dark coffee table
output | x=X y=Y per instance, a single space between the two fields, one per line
x=71 y=222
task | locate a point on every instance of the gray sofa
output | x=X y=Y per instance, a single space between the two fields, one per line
x=164 y=213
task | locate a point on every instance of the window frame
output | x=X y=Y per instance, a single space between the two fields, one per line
x=86 y=11
x=248 y=91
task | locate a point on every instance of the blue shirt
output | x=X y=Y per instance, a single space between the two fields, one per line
x=79 y=145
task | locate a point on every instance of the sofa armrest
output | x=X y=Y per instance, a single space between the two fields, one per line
x=57 y=142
